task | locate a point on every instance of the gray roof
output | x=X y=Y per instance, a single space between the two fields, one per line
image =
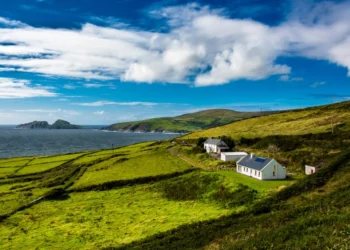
x=217 y=142
x=255 y=162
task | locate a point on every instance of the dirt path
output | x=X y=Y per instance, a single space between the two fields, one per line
x=186 y=159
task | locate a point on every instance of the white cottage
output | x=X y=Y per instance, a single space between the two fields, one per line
x=232 y=156
x=310 y=169
x=215 y=146
x=261 y=168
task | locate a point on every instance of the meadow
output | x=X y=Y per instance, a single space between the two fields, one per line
x=145 y=190
x=165 y=195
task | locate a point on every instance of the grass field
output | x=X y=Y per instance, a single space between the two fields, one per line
x=37 y=168
x=93 y=220
x=54 y=159
x=147 y=196
x=123 y=168
x=260 y=186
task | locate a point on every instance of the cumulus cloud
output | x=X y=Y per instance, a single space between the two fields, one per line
x=104 y=103
x=201 y=46
x=14 y=88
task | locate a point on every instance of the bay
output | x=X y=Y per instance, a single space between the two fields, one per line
x=32 y=142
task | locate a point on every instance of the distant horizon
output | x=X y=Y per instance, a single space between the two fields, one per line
x=174 y=116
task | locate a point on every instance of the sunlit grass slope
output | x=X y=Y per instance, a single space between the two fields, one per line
x=311 y=120
x=93 y=220
x=129 y=167
x=188 y=122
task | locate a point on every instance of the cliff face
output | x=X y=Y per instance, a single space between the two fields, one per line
x=35 y=125
x=59 y=124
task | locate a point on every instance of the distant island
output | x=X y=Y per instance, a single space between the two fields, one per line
x=59 y=124
x=185 y=123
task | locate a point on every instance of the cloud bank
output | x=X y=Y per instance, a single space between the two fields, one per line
x=14 y=88
x=202 y=46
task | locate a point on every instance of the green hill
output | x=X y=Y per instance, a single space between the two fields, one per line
x=295 y=122
x=160 y=195
x=187 y=122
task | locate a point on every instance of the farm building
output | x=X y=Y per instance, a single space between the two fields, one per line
x=261 y=168
x=310 y=170
x=215 y=146
x=232 y=156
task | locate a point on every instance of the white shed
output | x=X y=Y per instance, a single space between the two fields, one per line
x=232 y=156
x=261 y=168
x=309 y=169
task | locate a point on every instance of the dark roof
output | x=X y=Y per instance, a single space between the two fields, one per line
x=257 y=163
x=217 y=142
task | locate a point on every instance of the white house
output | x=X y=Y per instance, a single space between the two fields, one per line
x=232 y=156
x=215 y=145
x=261 y=168
x=310 y=170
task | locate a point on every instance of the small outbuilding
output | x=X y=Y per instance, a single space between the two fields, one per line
x=232 y=156
x=261 y=168
x=310 y=169
x=215 y=146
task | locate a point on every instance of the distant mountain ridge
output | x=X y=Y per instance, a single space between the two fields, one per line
x=185 y=123
x=59 y=124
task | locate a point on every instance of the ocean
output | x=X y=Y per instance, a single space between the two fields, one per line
x=31 y=142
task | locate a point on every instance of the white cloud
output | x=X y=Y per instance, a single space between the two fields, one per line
x=99 y=112
x=317 y=84
x=97 y=85
x=104 y=103
x=14 y=88
x=202 y=46
x=11 y=23
x=49 y=111
x=93 y=85
x=287 y=78
x=69 y=86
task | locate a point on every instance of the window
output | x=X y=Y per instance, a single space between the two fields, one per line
x=255 y=172
x=259 y=174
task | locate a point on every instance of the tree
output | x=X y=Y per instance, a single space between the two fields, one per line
x=229 y=141
x=200 y=141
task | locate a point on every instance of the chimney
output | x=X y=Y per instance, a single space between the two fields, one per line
x=251 y=155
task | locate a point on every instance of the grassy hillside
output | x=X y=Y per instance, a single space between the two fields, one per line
x=150 y=195
x=297 y=122
x=186 y=123
x=108 y=198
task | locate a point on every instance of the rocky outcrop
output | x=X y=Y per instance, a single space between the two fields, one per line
x=35 y=125
x=59 y=124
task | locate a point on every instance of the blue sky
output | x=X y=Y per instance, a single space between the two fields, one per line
x=107 y=61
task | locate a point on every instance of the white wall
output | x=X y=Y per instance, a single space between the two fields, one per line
x=309 y=169
x=266 y=173
x=210 y=148
x=249 y=172
x=274 y=166
x=225 y=157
